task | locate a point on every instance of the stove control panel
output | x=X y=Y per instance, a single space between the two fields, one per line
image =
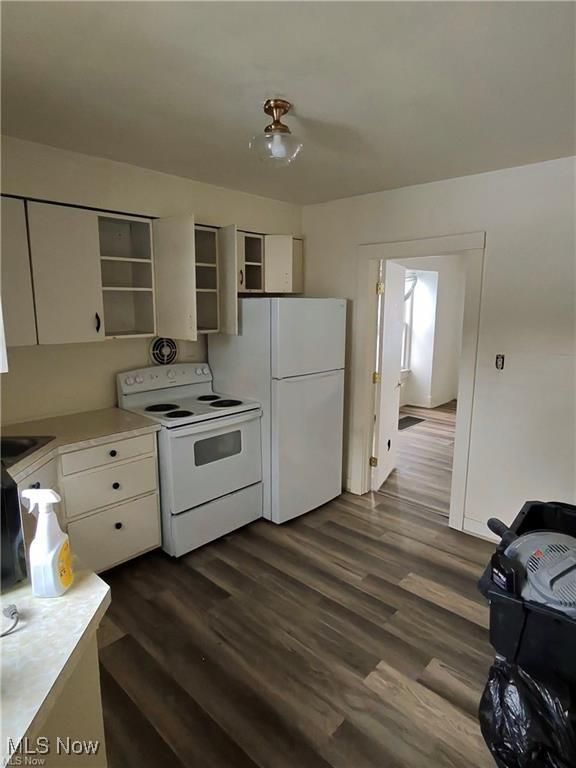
x=162 y=377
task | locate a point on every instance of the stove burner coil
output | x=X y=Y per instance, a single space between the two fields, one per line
x=178 y=414
x=208 y=398
x=159 y=407
x=226 y=403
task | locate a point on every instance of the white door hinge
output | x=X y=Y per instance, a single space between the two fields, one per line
x=380 y=287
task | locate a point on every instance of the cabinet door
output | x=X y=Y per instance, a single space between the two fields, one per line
x=228 y=272
x=278 y=258
x=175 y=277
x=65 y=253
x=298 y=267
x=17 y=296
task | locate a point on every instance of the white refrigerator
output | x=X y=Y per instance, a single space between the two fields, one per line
x=289 y=355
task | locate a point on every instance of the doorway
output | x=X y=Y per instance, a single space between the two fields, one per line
x=420 y=319
x=360 y=445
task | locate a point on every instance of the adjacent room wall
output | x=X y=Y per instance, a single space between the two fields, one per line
x=433 y=380
x=418 y=384
x=448 y=336
x=522 y=444
x=59 y=379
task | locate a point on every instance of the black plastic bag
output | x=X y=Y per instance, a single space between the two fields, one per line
x=528 y=722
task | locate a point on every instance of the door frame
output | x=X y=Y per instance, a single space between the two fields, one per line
x=471 y=246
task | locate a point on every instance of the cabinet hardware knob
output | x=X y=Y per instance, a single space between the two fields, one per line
x=113 y=453
x=241 y=277
x=35 y=485
x=117 y=526
x=115 y=486
x=98 y=323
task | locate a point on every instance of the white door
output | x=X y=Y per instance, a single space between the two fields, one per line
x=65 y=251
x=175 y=277
x=17 y=296
x=229 y=273
x=387 y=398
x=308 y=336
x=307 y=414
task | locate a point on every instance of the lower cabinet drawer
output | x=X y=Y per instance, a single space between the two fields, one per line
x=86 y=491
x=107 y=453
x=116 y=534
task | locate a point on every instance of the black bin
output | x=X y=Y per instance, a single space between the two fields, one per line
x=527 y=633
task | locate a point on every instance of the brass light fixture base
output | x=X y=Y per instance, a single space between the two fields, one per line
x=277 y=108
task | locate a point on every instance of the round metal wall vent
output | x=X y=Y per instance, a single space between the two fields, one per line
x=163 y=351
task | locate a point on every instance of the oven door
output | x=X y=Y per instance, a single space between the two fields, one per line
x=202 y=462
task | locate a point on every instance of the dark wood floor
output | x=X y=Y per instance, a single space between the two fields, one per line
x=425 y=454
x=353 y=637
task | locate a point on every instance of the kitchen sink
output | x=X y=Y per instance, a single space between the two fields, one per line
x=12 y=449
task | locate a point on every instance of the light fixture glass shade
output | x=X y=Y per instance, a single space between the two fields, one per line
x=275 y=148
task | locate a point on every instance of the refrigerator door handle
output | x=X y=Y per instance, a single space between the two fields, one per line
x=322 y=375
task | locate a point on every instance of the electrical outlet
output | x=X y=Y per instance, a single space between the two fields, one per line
x=499 y=362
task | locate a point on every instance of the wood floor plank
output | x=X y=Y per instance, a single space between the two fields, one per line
x=454 y=685
x=108 y=632
x=446 y=598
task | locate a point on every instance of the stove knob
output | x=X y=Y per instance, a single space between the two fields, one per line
x=205 y=371
x=129 y=381
x=198 y=371
x=171 y=373
x=139 y=379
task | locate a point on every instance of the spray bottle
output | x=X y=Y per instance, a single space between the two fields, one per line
x=50 y=556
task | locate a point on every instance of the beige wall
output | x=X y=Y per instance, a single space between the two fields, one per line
x=523 y=426
x=66 y=378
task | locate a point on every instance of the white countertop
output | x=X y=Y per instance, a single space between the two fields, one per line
x=40 y=655
x=73 y=432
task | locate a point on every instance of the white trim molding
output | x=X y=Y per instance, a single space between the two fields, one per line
x=471 y=247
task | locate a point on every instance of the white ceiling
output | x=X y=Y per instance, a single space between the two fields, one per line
x=386 y=94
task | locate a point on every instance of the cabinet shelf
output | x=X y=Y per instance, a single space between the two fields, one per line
x=128 y=335
x=123 y=288
x=206 y=290
x=205 y=264
x=125 y=258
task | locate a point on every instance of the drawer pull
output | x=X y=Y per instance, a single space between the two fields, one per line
x=115 y=486
x=35 y=485
x=113 y=453
x=117 y=526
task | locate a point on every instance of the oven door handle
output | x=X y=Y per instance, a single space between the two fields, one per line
x=216 y=424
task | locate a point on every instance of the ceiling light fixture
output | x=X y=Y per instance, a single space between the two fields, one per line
x=276 y=146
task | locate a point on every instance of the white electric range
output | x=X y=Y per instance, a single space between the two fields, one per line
x=209 y=450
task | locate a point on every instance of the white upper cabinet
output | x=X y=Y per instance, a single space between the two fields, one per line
x=283 y=264
x=17 y=295
x=64 y=247
x=175 y=271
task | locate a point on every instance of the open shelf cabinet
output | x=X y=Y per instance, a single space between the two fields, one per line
x=250 y=263
x=207 y=280
x=127 y=275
